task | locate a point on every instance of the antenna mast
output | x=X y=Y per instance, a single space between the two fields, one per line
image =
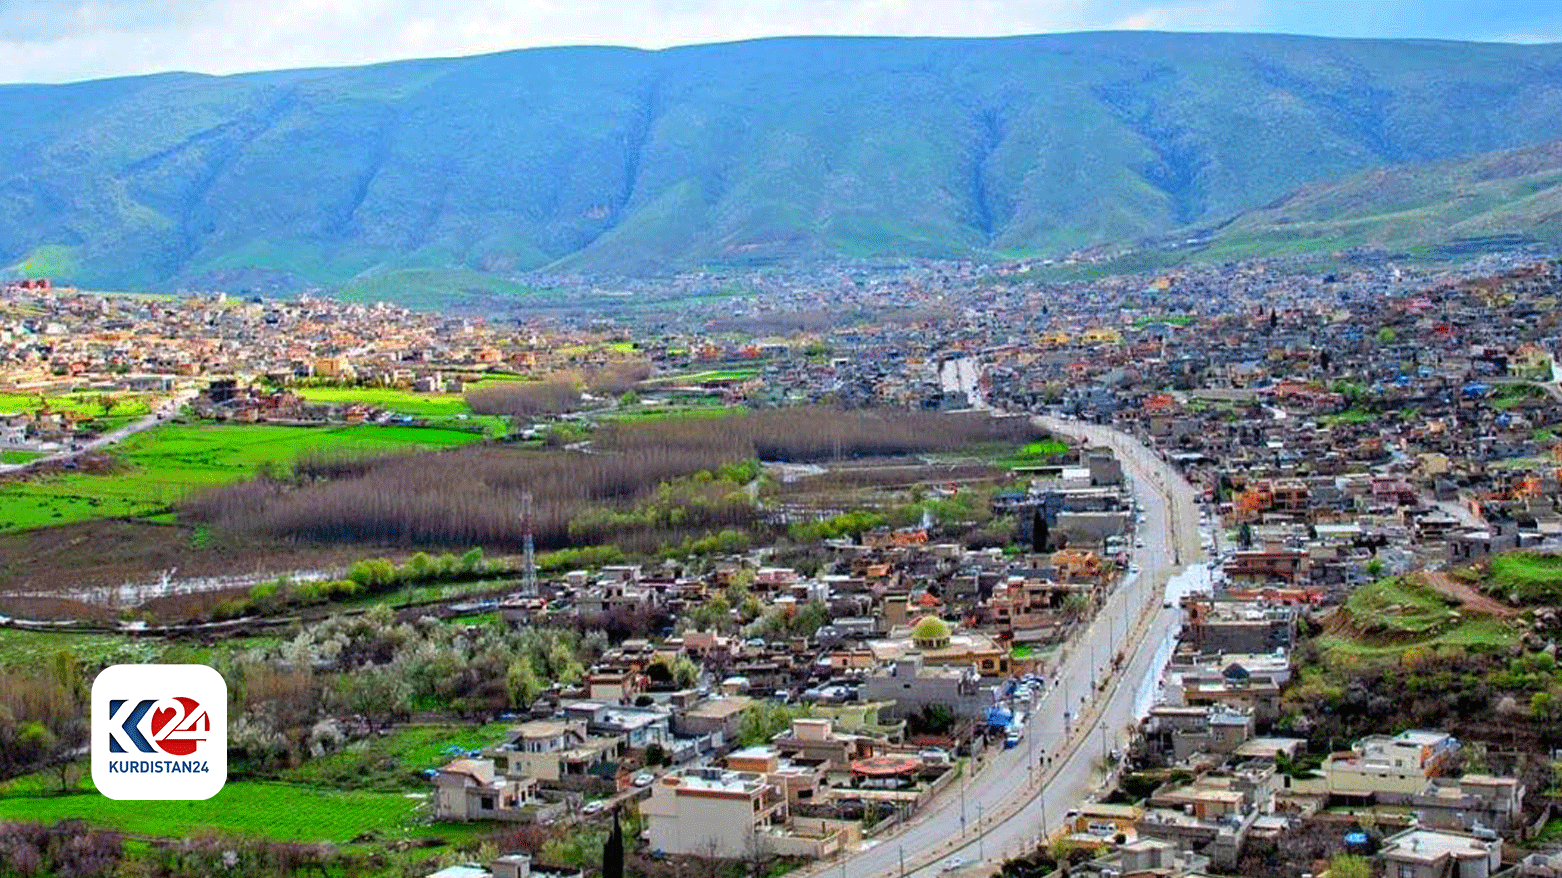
x=529 y=584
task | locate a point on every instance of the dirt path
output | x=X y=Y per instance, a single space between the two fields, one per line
x=1466 y=595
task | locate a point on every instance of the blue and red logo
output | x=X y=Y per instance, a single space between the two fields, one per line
x=159 y=732
x=176 y=726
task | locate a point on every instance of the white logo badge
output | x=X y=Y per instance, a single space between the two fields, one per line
x=159 y=732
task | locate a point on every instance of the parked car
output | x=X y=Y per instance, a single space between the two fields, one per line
x=592 y=807
x=955 y=864
x=644 y=779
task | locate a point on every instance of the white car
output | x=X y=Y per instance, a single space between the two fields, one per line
x=592 y=807
x=955 y=864
x=644 y=779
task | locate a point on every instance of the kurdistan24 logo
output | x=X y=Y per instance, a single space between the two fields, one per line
x=176 y=727
x=159 y=732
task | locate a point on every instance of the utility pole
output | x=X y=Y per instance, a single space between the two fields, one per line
x=981 y=836
x=902 y=861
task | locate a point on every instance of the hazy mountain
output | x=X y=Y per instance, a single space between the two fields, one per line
x=619 y=159
x=1505 y=197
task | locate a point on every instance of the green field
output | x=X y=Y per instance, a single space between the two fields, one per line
x=166 y=463
x=395 y=762
x=1390 y=615
x=710 y=376
x=404 y=402
x=279 y=811
x=1039 y=453
x=21 y=648
x=19 y=456
x=1527 y=577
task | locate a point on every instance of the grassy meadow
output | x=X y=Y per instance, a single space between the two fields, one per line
x=162 y=465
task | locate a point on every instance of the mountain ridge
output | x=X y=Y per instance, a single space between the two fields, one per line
x=621 y=159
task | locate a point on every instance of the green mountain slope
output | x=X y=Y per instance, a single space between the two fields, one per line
x=1512 y=196
x=613 y=159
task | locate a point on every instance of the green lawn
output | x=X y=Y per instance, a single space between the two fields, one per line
x=279 y=811
x=395 y=762
x=19 y=456
x=166 y=463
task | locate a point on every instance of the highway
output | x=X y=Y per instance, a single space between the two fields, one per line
x=1016 y=798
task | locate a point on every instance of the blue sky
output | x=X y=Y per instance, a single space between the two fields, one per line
x=62 y=40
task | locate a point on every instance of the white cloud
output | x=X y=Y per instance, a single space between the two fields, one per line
x=58 y=40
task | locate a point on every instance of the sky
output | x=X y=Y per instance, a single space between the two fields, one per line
x=66 y=40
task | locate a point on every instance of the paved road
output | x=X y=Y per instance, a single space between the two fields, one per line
x=1002 y=798
x=167 y=408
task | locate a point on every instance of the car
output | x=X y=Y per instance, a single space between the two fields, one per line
x=955 y=864
x=1133 y=568
x=593 y=807
x=644 y=779
x=1138 y=544
x=1166 y=605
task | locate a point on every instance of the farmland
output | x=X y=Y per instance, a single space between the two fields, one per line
x=160 y=466
x=405 y=402
x=278 y=811
x=394 y=763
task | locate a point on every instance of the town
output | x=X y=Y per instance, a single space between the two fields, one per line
x=1107 y=577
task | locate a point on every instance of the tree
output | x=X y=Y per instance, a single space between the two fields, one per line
x=762 y=721
x=655 y=754
x=1038 y=531
x=1542 y=705
x=377 y=694
x=1349 y=866
x=613 y=851
x=1386 y=335
x=1245 y=535
x=521 y=683
x=1075 y=605
x=686 y=674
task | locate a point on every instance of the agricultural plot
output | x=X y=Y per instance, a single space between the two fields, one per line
x=405 y=402
x=278 y=811
x=395 y=762
x=163 y=465
x=23 y=648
